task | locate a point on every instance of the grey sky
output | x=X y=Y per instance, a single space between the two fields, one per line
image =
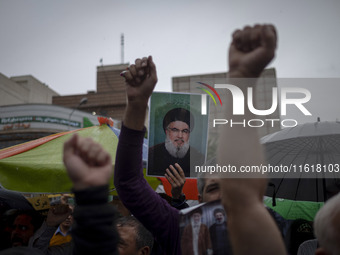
x=61 y=42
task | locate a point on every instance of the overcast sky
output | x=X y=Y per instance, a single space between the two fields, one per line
x=61 y=42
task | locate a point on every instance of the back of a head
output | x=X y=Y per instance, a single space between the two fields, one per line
x=143 y=236
x=300 y=230
x=327 y=225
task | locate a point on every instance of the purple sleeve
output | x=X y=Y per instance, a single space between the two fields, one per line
x=144 y=203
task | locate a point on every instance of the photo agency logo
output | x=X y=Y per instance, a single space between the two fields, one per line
x=238 y=104
x=204 y=97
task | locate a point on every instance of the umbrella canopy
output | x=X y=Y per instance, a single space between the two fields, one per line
x=13 y=200
x=311 y=154
x=37 y=166
x=310 y=143
x=292 y=210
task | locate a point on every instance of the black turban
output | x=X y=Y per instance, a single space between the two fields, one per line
x=178 y=114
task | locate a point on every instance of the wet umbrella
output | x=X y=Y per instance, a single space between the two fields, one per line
x=310 y=155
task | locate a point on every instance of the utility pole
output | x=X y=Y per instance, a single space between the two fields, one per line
x=122 y=48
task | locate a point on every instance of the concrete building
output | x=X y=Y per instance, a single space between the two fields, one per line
x=24 y=89
x=26 y=122
x=27 y=113
x=108 y=100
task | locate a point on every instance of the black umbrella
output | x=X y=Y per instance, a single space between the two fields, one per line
x=13 y=200
x=310 y=154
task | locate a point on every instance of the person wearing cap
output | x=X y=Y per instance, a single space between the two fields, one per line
x=178 y=123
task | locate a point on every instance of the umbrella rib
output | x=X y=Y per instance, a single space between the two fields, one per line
x=319 y=147
x=296 y=156
x=319 y=154
x=333 y=146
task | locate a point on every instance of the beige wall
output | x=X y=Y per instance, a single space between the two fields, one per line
x=11 y=92
x=24 y=90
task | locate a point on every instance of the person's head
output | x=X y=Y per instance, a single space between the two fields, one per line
x=327 y=227
x=177 y=125
x=196 y=216
x=134 y=237
x=67 y=224
x=219 y=215
x=300 y=230
x=208 y=188
x=24 y=226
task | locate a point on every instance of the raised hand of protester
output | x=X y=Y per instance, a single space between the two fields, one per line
x=251 y=50
x=141 y=79
x=57 y=214
x=64 y=198
x=248 y=220
x=87 y=163
x=177 y=180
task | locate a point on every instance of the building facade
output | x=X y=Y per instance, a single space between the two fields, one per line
x=24 y=89
x=26 y=122
x=109 y=99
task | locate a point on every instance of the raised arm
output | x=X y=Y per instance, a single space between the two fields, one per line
x=41 y=238
x=141 y=79
x=133 y=190
x=89 y=167
x=252 y=230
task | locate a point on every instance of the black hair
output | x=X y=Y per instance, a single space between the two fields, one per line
x=143 y=236
x=219 y=210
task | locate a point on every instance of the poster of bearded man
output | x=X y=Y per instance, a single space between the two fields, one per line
x=177 y=133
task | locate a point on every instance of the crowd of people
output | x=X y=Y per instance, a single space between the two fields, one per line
x=247 y=226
